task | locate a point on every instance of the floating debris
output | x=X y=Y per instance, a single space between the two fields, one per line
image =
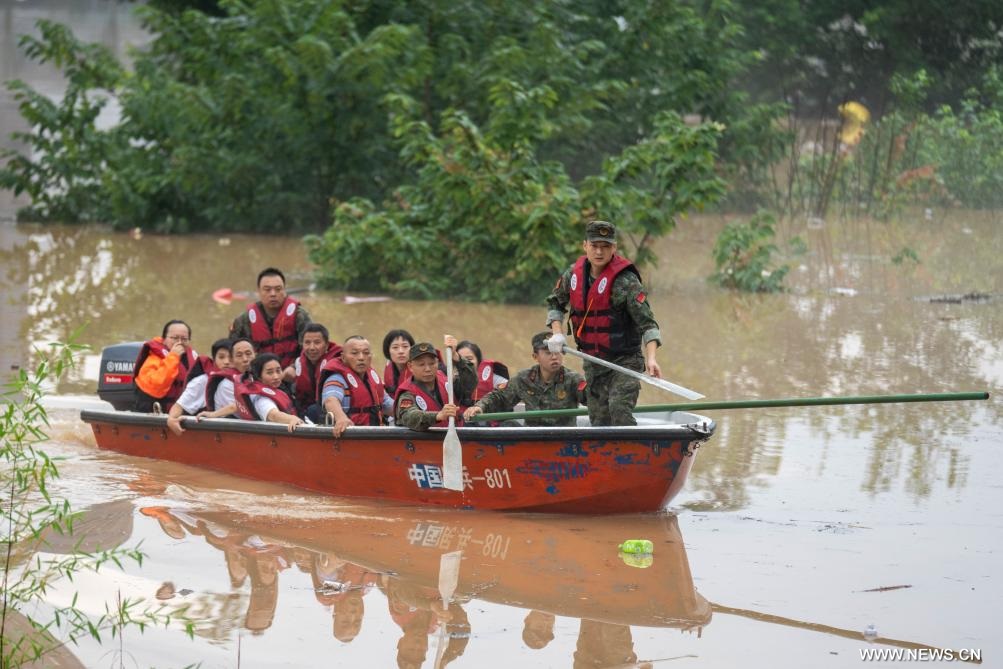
x=332 y=587
x=977 y=298
x=886 y=588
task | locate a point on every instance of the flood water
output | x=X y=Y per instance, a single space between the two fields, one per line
x=797 y=529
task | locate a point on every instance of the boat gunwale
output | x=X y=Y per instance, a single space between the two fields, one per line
x=697 y=430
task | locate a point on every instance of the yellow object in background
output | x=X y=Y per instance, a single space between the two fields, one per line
x=855 y=117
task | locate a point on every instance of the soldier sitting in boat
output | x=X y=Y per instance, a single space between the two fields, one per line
x=192 y=400
x=162 y=367
x=546 y=385
x=317 y=348
x=351 y=389
x=422 y=401
x=258 y=396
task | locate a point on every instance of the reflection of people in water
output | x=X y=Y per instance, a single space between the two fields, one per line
x=458 y=632
x=341 y=585
x=347 y=614
x=603 y=645
x=264 y=573
x=419 y=612
x=538 y=629
x=245 y=555
x=229 y=544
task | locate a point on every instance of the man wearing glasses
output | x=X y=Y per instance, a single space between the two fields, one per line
x=162 y=367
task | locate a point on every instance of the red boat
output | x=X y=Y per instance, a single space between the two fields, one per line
x=588 y=470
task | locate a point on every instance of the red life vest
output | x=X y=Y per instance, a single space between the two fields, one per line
x=306 y=389
x=599 y=329
x=365 y=400
x=486 y=377
x=156 y=347
x=203 y=365
x=215 y=378
x=392 y=379
x=422 y=397
x=248 y=386
x=281 y=339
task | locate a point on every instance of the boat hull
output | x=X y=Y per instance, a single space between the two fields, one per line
x=567 y=470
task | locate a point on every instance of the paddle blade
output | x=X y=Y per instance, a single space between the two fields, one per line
x=452 y=459
x=678 y=390
x=449 y=575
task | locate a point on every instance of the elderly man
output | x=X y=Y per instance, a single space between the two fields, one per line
x=351 y=389
x=611 y=319
x=275 y=323
x=546 y=385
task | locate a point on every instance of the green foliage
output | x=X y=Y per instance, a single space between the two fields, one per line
x=484 y=220
x=819 y=54
x=28 y=512
x=65 y=181
x=664 y=176
x=905 y=254
x=743 y=254
x=909 y=157
x=487 y=220
x=263 y=116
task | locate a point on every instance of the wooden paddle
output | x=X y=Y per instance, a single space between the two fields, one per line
x=449 y=577
x=452 y=452
x=658 y=383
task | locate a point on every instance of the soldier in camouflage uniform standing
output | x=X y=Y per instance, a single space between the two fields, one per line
x=546 y=385
x=610 y=319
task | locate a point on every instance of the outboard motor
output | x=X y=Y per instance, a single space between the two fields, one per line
x=115 y=384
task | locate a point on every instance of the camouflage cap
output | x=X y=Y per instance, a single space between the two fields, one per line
x=540 y=340
x=600 y=231
x=418 y=350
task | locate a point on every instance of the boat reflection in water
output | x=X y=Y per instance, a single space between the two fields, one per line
x=551 y=566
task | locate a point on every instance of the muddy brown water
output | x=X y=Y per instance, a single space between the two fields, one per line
x=793 y=531
x=797 y=529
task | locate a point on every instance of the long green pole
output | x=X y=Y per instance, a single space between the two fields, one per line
x=752 y=404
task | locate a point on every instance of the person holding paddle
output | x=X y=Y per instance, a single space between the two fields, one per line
x=423 y=401
x=611 y=320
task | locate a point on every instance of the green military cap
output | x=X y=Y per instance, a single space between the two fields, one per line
x=418 y=350
x=600 y=231
x=540 y=340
